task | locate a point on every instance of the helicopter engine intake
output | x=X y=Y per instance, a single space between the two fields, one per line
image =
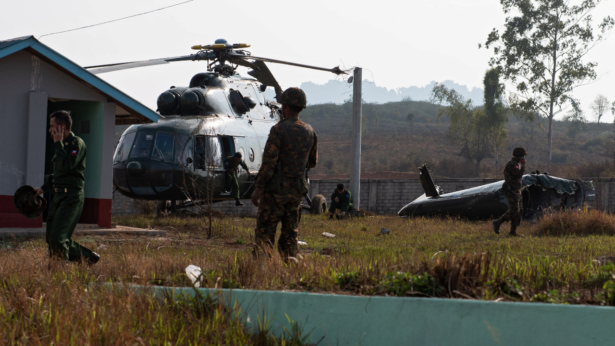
x=193 y=100
x=169 y=101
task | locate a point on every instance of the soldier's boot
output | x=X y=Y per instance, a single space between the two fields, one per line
x=238 y=202
x=513 y=232
x=93 y=259
x=496 y=226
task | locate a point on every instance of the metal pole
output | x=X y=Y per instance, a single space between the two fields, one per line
x=355 y=165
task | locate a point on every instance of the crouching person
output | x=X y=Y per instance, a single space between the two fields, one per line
x=341 y=199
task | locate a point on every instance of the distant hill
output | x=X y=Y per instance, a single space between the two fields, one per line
x=392 y=143
x=338 y=91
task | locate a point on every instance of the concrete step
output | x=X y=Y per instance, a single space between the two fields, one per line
x=40 y=232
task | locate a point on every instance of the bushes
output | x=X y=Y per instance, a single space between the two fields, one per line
x=573 y=222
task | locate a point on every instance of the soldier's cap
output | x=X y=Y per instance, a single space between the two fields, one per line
x=28 y=203
x=340 y=186
x=238 y=155
x=293 y=97
x=519 y=152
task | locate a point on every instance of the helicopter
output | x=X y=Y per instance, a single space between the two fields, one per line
x=217 y=115
x=541 y=193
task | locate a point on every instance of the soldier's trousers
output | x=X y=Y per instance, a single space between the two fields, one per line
x=62 y=219
x=273 y=208
x=230 y=180
x=336 y=205
x=513 y=214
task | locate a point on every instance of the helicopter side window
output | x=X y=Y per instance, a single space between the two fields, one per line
x=164 y=146
x=180 y=153
x=187 y=153
x=143 y=144
x=207 y=152
x=123 y=147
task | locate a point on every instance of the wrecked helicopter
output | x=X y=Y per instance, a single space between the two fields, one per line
x=541 y=192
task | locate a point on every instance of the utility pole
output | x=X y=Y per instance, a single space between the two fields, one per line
x=355 y=164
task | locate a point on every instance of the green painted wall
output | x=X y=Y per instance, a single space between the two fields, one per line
x=355 y=320
x=85 y=111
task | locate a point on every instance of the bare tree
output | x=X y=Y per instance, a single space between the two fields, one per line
x=201 y=157
x=576 y=119
x=600 y=106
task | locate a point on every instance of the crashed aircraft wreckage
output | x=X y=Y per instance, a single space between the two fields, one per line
x=541 y=192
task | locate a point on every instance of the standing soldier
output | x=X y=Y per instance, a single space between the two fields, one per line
x=341 y=199
x=230 y=165
x=67 y=182
x=513 y=174
x=281 y=184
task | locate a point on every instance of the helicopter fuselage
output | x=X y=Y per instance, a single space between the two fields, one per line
x=181 y=157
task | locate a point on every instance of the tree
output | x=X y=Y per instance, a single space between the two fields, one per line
x=469 y=127
x=410 y=120
x=613 y=110
x=576 y=119
x=541 y=51
x=600 y=106
x=494 y=109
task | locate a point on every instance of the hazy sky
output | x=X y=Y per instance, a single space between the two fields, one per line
x=398 y=43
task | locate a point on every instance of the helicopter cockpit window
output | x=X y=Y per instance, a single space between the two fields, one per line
x=164 y=146
x=123 y=147
x=207 y=152
x=143 y=144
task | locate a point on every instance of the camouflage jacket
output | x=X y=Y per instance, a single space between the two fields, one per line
x=231 y=164
x=68 y=164
x=291 y=143
x=513 y=172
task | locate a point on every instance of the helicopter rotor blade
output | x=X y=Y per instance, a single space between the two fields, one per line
x=134 y=64
x=335 y=70
x=264 y=75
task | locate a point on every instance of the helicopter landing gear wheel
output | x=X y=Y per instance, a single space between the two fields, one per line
x=166 y=208
x=319 y=205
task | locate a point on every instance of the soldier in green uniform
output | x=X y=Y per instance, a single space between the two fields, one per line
x=230 y=165
x=513 y=173
x=67 y=182
x=291 y=149
x=340 y=199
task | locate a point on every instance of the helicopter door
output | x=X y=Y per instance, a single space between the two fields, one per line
x=207 y=153
x=227 y=145
x=243 y=177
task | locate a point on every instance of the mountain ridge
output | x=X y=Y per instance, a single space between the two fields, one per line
x=338 y=91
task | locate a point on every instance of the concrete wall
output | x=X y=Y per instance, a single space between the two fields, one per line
x=355 y=320
x=388 y=196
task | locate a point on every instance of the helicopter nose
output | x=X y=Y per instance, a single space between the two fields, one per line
x=135 y=169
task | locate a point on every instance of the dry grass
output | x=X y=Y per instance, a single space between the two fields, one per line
x=446 y=258
x=577 y=223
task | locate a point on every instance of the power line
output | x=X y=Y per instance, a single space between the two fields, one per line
x=115 y=20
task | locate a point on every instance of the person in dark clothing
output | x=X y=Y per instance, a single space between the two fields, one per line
x=341 y=199
x=513 y=183
x=231 y=164
x=67 y=182
x=292 y=147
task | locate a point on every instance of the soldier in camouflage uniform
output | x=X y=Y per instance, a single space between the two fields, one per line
x=291 y=149
x=230 y=165
x=513 y=173
x=67 y=182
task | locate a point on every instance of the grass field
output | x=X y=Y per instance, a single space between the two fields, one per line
x=556 y=262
